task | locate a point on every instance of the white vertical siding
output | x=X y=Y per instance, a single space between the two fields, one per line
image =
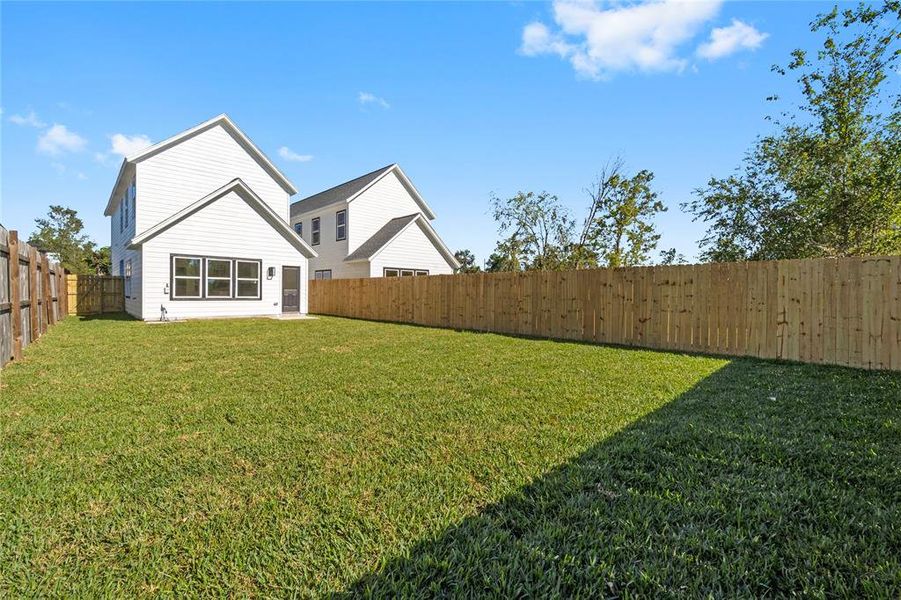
x=228 y=227
x=385 y=200
x=412 y=249
x=188 y=171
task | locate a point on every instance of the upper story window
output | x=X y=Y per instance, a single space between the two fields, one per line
x=341 y=225
x=298 y=227
x=314 y=230
x=121 y=218
x=127 y=222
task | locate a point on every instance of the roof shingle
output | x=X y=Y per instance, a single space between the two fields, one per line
x=381 y=237
x=336 y=194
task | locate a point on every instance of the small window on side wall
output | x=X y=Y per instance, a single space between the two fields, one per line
x=340 y=225
x=314 y=230
x=421 y=273
x=392 y=273
x=298 y=228
x=322 y=274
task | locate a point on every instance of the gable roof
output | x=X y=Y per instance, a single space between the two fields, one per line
x=349 y=190
x=393 y=228
x=129 y=161
x=249 y=196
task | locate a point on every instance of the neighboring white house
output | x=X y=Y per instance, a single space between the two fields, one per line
x=376 y=225
x=200 y=228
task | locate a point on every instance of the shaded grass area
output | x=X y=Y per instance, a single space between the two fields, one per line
x=272 y=458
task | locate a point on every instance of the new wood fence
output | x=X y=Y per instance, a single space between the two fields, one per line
x=30 y=301
x=95 y=294
x=838 y=311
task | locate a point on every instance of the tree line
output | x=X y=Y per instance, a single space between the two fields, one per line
x=826 y=182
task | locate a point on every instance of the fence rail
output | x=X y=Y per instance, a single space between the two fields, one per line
x=836 y=311
x=30 y=299
x=95 y=294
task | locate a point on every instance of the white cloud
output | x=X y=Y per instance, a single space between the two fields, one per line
x=727 y=40
x=125 y=145
x=289 y=154
x=602 y=38
x=58 y=139
x=367 y=98
x=29 y=120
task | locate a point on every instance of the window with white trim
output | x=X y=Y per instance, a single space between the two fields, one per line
x=186 y=277
x=218 y=278
x=247 y=280
x=341 y=225
x=398 y=272
x=125 y=203
x=121 y=217
x=314 y=231
x=322 y=274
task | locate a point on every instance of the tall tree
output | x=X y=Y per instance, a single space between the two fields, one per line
x=827 y=182
x=620 y=228
x=101 y=261
x=61 y=234
x=537 y=230
x=467 y=262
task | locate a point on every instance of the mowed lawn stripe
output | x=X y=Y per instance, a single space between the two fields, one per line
x=268 y=458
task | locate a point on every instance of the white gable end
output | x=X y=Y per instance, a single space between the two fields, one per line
x=228 y=227
x=411 y=249
x=386 y=199
x=176 y=177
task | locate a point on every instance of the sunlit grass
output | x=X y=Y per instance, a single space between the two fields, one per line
x=260 y=457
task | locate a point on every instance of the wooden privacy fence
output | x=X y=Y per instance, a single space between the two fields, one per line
x=95 y=294
x=838 y=311
x=30 y=299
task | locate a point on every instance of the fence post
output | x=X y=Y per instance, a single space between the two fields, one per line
x=33 y=314
x=15 y=299
x=48 y=293
x=62 y=291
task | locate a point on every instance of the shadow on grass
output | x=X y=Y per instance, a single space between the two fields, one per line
x=764 y=479
x=105 y=317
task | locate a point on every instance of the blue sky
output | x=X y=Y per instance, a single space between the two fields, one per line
x=470 y=98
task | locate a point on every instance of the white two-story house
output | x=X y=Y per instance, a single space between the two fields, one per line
x=376 y=225
x=200 y=229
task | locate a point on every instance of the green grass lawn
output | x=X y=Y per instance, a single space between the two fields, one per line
x=330 y=456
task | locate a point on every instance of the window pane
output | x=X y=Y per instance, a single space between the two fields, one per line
x=250 y=270
x=218 y=288
x=406 y=273
x=341 y=216
x=187 y=287
x=248 y=288
x=187 y=266
x=422 y=272
x=298 y=227
x=390 y=272
x=219 y=268
x=327 y=274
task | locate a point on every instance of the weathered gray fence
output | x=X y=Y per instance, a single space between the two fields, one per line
x=32 y=295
